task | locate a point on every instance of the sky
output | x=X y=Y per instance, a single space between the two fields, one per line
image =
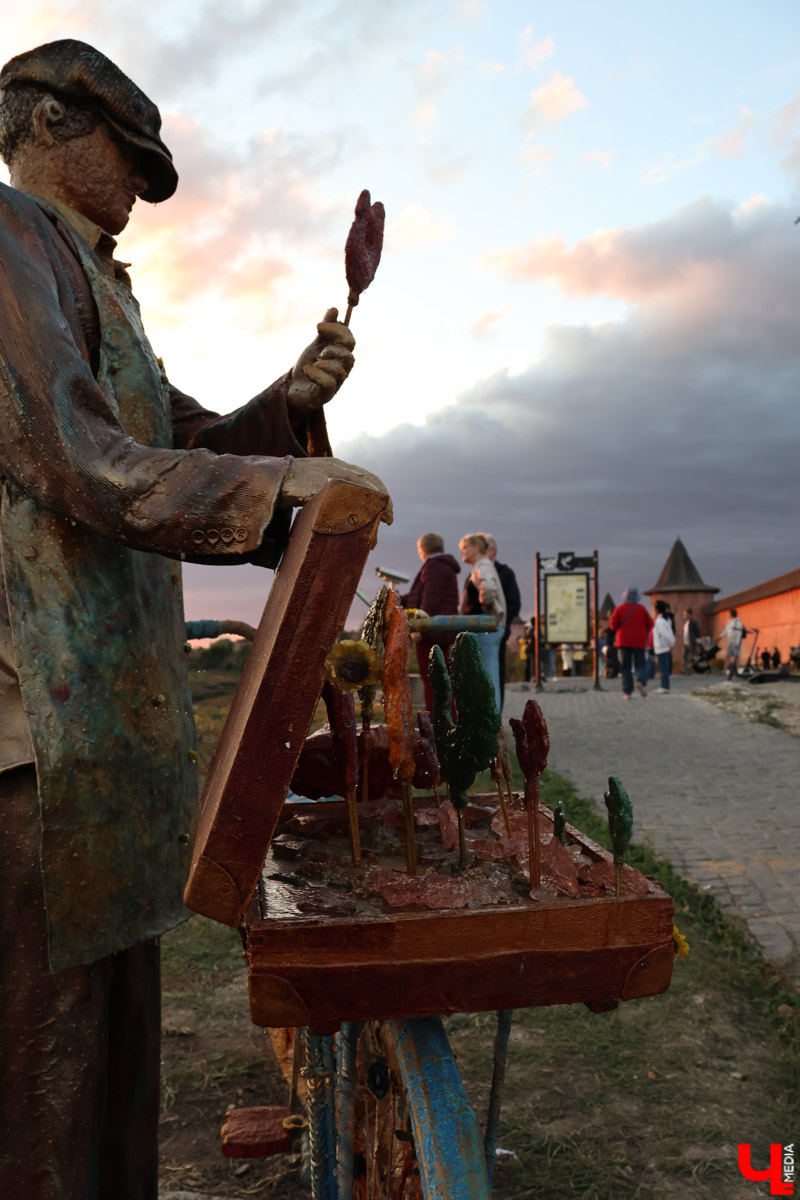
x=584 y=332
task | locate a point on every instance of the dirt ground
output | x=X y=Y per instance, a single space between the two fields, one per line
x=775 y=704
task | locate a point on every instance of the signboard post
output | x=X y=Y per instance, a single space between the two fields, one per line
x=565 y=580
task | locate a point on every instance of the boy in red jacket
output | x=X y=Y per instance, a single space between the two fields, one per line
x=632 y=623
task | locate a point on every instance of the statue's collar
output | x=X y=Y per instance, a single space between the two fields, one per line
x=101 y=242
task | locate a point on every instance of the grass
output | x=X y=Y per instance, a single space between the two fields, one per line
x=652 y=1099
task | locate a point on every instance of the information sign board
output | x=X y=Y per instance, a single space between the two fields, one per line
x=566 y=607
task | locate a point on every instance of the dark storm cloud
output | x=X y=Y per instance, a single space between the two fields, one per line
x=681 y=419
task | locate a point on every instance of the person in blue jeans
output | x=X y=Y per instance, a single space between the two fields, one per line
x=631 y=622
x=663 y=641
x=486 y=581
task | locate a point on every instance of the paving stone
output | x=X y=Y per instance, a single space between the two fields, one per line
x=716 y=794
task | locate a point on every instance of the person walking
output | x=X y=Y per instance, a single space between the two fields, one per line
x=691 y=632
x=735 y=632
x=631 y=622
x=435 y=591
x=663 y=641
x=486 y=582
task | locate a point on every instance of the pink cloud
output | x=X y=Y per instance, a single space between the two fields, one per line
x=232 y=224
x=732 y=144
x=555 y=100
x=631 y=264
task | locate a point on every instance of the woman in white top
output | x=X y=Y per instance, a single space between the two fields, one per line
x=483 y=575
x=663 y=641
x=735 y=632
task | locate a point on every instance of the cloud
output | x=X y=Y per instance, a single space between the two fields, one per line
x=670 y=165
x=416 y=227
x=680 y=418
x=470 y=11
x=534 y=53
x=635 y=264
x=443 y=165
x=785 y=137
x=427 y=113
x=232 y=222
x=536 y=157
x=554 y=100
x=733 y=143
x=603 y=158
x=486 y=325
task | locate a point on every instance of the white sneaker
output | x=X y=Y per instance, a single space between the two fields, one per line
x=662 y=691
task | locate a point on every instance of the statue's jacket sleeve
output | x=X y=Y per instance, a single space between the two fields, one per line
x=108 y=478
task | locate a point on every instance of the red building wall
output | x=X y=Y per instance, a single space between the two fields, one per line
x=772 y=607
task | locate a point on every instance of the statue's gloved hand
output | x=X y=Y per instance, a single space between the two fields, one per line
x=322 y=367
x=307 y=476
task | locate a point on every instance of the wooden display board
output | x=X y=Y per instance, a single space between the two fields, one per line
x=277 y=696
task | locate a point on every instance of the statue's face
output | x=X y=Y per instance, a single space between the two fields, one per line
x=100 y=177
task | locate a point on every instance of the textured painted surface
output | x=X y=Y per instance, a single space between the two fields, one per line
x=92 y=498
x=397 y=690
x=449 y=1146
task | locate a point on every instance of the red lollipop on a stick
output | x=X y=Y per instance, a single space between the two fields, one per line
x=362 y=253
x=533 y=746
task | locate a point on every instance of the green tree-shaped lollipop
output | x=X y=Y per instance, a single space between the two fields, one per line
x=620 y=825
x=467 y=747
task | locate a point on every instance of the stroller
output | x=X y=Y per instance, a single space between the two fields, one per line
x=707 y=651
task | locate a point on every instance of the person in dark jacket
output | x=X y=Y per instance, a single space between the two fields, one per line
x=508 y=582
x=631 y=622
x=435 y=591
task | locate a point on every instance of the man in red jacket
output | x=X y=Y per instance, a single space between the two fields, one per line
x=631 y=622
x=435 y=591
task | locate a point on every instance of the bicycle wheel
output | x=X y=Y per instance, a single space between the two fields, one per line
x=415 y=1134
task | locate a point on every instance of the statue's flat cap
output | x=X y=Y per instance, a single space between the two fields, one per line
x=72 y=70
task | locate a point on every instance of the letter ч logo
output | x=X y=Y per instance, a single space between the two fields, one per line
x=780 y=1172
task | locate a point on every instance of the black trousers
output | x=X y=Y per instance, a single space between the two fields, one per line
x=502 y=653
x=79 y=1050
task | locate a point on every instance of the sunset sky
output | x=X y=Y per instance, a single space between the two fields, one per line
x=585 y=330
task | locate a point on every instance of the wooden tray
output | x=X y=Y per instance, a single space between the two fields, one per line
x=320 y=970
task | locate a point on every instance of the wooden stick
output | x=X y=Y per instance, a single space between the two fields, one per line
x=363 y=754
x=349 y=314
x=496 y=773
x=352 y=821
x=462 y=848
x=534 y=852
x=408 y=816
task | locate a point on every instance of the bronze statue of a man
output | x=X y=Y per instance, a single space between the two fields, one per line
x=109 y=477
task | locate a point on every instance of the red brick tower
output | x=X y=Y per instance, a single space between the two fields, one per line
x=681 y=586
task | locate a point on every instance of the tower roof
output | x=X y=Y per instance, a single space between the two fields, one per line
x=679 y=574
x=607 y=607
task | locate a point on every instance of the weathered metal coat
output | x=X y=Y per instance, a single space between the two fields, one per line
x=108 y=477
